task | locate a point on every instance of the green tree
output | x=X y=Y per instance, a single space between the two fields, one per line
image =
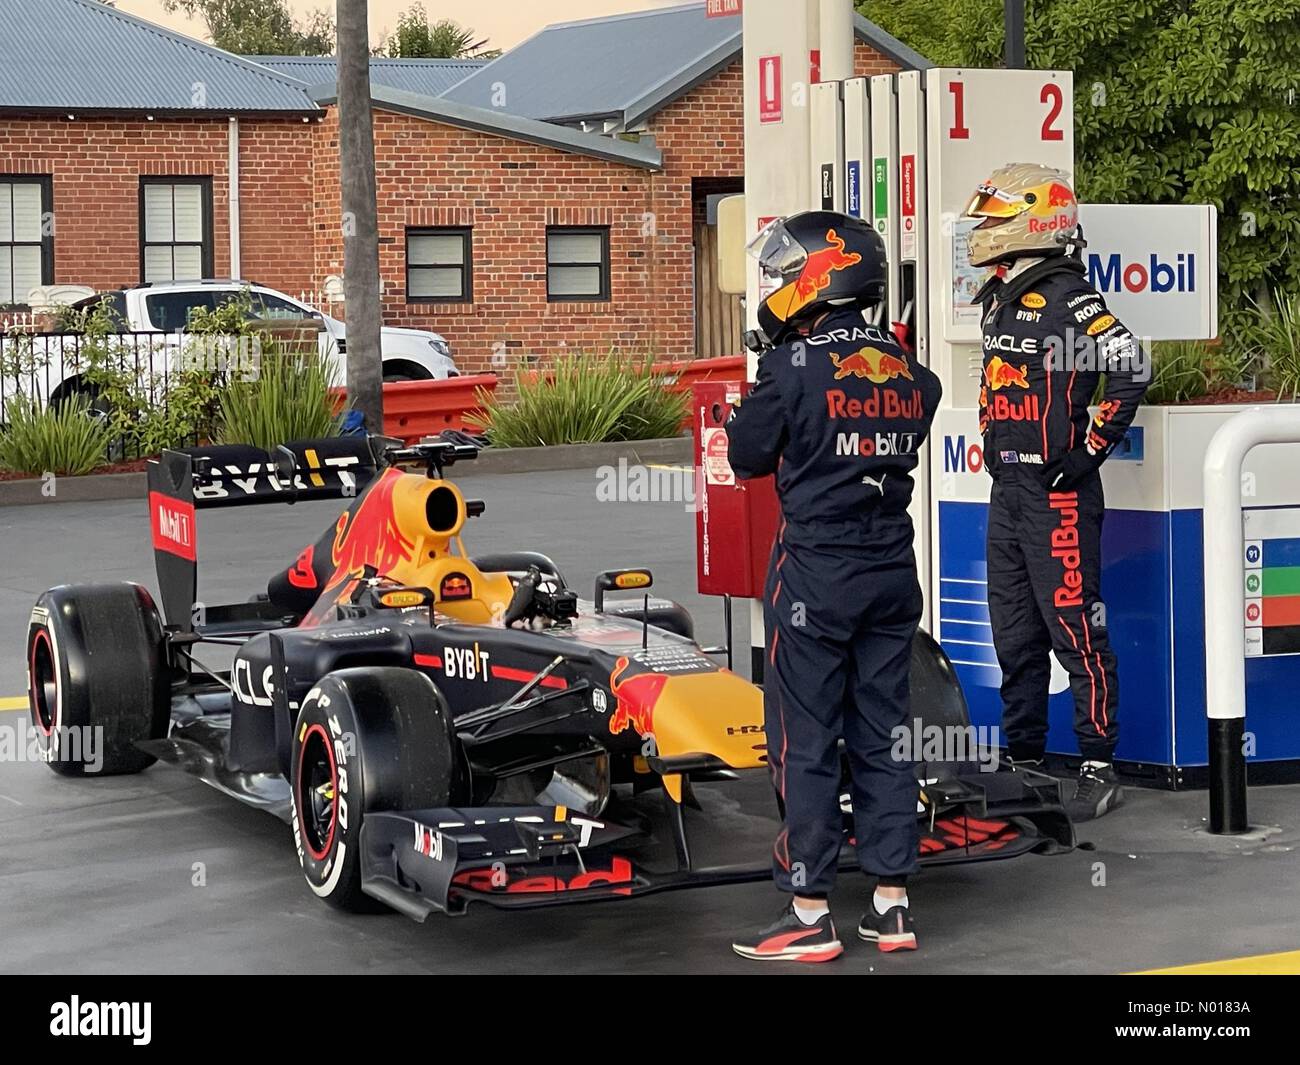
x=260 y=27
x=418 y=38
x=1189 y=101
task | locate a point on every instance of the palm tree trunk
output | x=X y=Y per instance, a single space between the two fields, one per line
x=360 y=222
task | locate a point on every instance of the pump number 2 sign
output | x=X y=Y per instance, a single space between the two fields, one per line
x=978 y=121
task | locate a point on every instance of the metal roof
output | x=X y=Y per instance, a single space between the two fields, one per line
x=428 y=77
x=83 y=56
x=625 y=67
x=498 y=123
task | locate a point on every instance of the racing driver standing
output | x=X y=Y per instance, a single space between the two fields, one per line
x=838 y=413
x=1047 y=337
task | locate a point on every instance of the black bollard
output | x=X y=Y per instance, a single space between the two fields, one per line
x=1227 y=776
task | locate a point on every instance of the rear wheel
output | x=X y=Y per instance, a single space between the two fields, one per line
x=366 y=739
x=97 y=678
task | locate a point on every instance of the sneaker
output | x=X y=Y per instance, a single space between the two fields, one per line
x=789 y=939
x=892 y=930
x=1097 y=794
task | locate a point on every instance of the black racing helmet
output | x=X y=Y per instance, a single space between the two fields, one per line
x=822 y=259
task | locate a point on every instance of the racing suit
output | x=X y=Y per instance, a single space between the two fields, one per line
x=1047 y=335
x=838 y=415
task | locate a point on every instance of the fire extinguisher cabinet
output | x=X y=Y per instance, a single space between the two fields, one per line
x=735 y=521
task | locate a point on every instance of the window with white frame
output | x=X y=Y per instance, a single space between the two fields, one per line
x=26 y=237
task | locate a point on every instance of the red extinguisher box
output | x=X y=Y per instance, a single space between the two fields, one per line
x=735 y=521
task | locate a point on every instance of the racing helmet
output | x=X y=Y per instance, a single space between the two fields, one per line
x=1026 y=210
x=822 y=259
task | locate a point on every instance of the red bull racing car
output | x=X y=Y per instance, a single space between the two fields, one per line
x=440 y=728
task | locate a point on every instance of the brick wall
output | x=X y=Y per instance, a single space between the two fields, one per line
x=97 y=164
x=428 y=174
x=509 y=192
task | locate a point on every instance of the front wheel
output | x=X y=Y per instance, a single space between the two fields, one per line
x=404 y=370
x=366 y=739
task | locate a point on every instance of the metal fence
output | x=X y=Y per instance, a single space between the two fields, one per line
x=54 y=368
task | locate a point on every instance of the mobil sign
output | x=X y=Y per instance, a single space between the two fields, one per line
x=1156 y=265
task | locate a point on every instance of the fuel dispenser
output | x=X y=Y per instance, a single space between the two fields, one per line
x=906 y=151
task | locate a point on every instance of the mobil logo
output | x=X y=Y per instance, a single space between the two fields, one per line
x=1110 y=273
x=960 y=457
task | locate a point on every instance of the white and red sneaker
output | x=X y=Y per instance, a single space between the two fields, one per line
x=789 y=939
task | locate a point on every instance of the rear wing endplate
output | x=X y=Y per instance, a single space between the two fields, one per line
x=232 y=475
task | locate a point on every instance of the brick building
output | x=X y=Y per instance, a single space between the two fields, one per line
x=541 y=202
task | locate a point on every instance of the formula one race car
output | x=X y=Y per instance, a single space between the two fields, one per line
x=440 y=728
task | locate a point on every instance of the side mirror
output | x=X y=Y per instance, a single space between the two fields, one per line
x=621 y=580
x=286 y=471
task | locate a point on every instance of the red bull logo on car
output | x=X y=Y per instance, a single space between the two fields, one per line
x=871 y=364
x=816 y=276
x=367 y=535
x=1109 y=273
x=636 y=697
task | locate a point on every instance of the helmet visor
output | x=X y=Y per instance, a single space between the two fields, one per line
x=991 y=202
x=777 y=251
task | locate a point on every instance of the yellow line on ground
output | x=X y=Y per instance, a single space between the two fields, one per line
x=1286 y=963
x=16 y=702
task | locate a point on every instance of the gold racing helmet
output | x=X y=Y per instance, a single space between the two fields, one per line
x=1026 y=210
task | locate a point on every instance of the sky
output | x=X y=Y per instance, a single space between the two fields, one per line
x=504 y=22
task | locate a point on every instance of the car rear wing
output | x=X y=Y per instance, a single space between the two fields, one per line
x=232 y=475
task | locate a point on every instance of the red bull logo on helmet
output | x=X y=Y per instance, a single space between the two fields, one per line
x=871 y=364
x=1059 y=195
x=786 y=302
x=1060 y=222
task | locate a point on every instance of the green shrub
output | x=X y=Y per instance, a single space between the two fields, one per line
x=585 y=399
x=148 y=406
x=1275 y=333
x=62 y=439
x=289 y=399
x=1184 y=370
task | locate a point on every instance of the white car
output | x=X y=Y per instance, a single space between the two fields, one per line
x=151 y=319
x=408 y=354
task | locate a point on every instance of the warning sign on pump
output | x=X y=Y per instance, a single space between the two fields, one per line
x=717 y=470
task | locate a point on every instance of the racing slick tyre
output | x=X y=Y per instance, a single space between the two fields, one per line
x=97 y=681
x=367 y=739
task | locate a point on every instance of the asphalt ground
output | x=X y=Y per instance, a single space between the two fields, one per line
x=159 y=873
